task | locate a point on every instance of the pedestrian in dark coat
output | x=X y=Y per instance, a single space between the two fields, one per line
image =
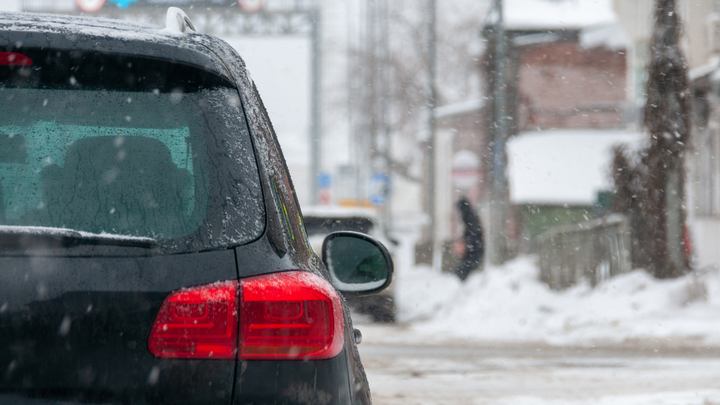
x=473 y=239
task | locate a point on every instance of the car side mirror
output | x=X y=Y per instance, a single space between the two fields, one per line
x=358 y=263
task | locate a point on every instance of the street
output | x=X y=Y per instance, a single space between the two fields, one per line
x=474 y=373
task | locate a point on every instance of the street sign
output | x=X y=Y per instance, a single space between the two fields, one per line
x=89 y=6
x=324 y=182
x=252 y=6
x=379 y=189
x=176 y=3
x=248 y=6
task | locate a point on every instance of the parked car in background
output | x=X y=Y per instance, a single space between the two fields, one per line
x=151 y=245
x=320 y=221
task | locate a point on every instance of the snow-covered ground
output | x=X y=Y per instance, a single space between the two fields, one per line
x=508 y=304
x=434 y=375
x=505 y=338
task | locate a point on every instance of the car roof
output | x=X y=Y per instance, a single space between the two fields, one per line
x=107 y=35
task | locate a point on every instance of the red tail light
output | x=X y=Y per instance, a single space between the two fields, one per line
x=14 y=59
x=291 y=315
x=199 y=322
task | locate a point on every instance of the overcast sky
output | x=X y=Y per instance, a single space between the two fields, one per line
x=9 y=5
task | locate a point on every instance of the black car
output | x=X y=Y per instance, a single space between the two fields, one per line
x=151 y=244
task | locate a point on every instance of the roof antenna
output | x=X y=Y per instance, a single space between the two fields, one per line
x=177 y=21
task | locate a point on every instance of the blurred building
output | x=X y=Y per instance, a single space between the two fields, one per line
x=570 y=101
x=699 y=43
x=459 y=168
x=561 y=177
x=566 y=81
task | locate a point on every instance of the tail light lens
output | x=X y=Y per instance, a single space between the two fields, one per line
x=291 y=315
x=14 y=59
x=198 y=322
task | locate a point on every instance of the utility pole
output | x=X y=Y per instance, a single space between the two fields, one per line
x=717 y=40
x=498 y=204
x=316 y=105
x=385 y=94
x=430 y=141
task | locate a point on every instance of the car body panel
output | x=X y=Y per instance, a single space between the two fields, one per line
x=286 y=234
x=324 y=382
x=76 y=328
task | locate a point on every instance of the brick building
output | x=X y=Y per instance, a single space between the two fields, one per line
x=563 y=84
x=566 y=74
x=563 y=80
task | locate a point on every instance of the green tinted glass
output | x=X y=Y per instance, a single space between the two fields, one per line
x=356 y=264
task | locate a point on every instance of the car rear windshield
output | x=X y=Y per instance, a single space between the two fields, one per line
x=133 y=146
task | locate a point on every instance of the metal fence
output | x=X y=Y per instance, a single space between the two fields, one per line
x=594 y=251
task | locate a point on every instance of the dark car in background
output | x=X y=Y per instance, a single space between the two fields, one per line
x=320 y=221
x=151 y=244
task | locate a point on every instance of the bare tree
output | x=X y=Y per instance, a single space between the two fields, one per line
x=667 y=118
x=651 y=188
x=405 y=66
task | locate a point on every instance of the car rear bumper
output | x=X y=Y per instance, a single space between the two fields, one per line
x=322 y=382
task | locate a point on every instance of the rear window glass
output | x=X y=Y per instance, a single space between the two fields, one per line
x=130 y=146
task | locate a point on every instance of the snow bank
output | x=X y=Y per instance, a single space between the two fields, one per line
x=422 y=293
x=700 y=397
x=508 y=304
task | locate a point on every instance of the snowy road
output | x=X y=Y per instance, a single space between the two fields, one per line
x=471 y=373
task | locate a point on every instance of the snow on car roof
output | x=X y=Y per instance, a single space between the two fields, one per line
x=102 y=34
x=563 y=166
x=83 y=25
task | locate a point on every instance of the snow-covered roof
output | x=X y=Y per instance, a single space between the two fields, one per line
x=557 y=14
x=465 y=159
x=611 y=36
x=703 y=70
x=563 y=166
x=463 y=107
